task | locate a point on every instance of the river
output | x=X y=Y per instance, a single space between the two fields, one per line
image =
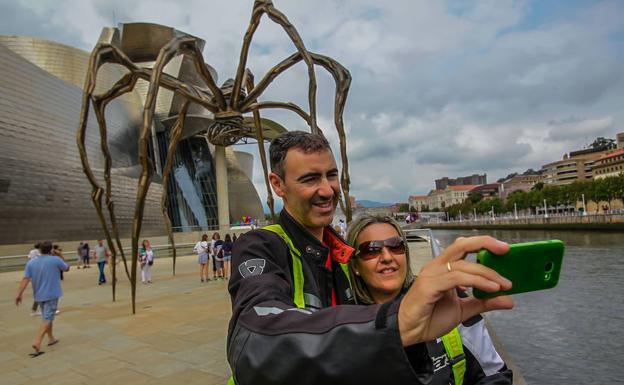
x=574 y=333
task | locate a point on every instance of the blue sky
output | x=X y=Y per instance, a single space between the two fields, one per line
x=440 y=88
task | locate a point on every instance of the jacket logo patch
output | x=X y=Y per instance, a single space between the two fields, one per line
x=251 y=267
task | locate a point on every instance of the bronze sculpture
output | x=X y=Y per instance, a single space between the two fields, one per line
x=228 y=103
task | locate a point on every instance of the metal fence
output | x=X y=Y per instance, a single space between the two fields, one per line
x=17 y=262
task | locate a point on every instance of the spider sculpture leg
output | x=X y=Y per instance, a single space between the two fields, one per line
x=260 y=137
x=176 y=134
x=266 y=7
x=124 y=85
x=167 y=52
x=100 y=55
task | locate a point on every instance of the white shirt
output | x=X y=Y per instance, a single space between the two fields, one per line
x=201 y=247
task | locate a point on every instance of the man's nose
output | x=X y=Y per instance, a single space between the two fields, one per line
x=325 y=189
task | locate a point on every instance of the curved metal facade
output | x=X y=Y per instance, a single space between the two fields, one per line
x=43 y=191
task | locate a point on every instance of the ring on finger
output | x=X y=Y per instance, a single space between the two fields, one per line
x=448 y=267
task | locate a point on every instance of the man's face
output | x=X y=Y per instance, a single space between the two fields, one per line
x=310 y=188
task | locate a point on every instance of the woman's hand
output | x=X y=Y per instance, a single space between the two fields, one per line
x=431 y=307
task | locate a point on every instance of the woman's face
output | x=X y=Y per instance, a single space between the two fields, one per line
x=384 y=274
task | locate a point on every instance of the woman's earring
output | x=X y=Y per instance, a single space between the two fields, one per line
x=357 y=272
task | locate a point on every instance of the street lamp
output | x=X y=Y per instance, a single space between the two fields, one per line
x=515 y=211
x=460 y=217
x=474 y=210
x=545 y=209
x=584 y=208
x=493 y=214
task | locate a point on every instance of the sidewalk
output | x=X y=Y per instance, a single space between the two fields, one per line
x=178 y=335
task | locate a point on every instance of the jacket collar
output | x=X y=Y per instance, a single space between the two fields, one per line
x=310 y=247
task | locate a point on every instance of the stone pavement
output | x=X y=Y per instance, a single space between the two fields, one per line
x=178 y=335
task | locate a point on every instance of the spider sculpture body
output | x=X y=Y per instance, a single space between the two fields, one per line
x=229 y=105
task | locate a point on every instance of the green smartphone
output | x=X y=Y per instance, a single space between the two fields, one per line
x=529 y=266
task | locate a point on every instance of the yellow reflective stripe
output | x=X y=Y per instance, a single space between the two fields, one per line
x=345 y=269
x=295 y=254
x=455 y=352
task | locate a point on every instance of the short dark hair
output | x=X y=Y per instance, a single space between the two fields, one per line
x=304 y=141
x=45 y=247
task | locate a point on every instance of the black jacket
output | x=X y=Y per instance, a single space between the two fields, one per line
x=271 y=341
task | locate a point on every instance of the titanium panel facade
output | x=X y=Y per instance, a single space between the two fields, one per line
x=44 y=193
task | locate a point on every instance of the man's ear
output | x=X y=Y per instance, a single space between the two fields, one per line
x=277 y=184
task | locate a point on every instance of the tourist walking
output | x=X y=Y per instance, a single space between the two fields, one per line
x=101 y=255
x=218 y=256
x=79 y=258
x=227 y=255
x=213 y=252
x=146 y=256
x=43 y=272
x=202 y=248
x=86 y=255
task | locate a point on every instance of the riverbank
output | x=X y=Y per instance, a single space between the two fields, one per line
x=612 y=222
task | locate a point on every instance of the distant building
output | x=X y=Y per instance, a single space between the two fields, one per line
x=519 y=182
x=611 y=164
x=441 y=198
x=487 y=191
x=577 y=166
x=418 y=202
x=620 y=140
x=474 y=179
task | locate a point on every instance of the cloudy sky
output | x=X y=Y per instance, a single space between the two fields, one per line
x=440 y=88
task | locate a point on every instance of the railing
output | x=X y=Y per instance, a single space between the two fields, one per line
x=17 y=262
x=560 y=218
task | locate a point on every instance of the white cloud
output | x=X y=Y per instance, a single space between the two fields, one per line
x=439 y=88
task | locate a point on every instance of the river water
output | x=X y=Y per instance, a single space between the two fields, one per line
x=574 y=333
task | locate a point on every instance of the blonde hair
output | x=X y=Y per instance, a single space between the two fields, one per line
x=362 y=293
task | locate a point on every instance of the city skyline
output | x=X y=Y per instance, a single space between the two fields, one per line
x=439 y=89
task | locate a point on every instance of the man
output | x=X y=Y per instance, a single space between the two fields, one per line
x=44 y=272
x=288 y=279
x=101 y=256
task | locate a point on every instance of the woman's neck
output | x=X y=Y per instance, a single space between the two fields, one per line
x=382 y=297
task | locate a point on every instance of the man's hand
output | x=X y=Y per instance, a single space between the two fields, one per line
x=431 y=307
x=18 y=299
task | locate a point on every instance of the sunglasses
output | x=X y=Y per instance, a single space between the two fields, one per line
x=372 y=249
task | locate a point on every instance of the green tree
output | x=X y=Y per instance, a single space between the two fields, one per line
x=404 y=207
x=475 y=197
x=603 y=143
x=520 y=198
x=537 y=186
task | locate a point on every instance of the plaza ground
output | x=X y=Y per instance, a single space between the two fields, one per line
x=177 y=336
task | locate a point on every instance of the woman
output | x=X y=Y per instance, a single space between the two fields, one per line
x=146 y=256
x=227 y=255
x=213 y=254
x=380 y=271
x=201 y=248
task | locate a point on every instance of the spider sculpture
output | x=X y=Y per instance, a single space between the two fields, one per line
x=228 y=104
